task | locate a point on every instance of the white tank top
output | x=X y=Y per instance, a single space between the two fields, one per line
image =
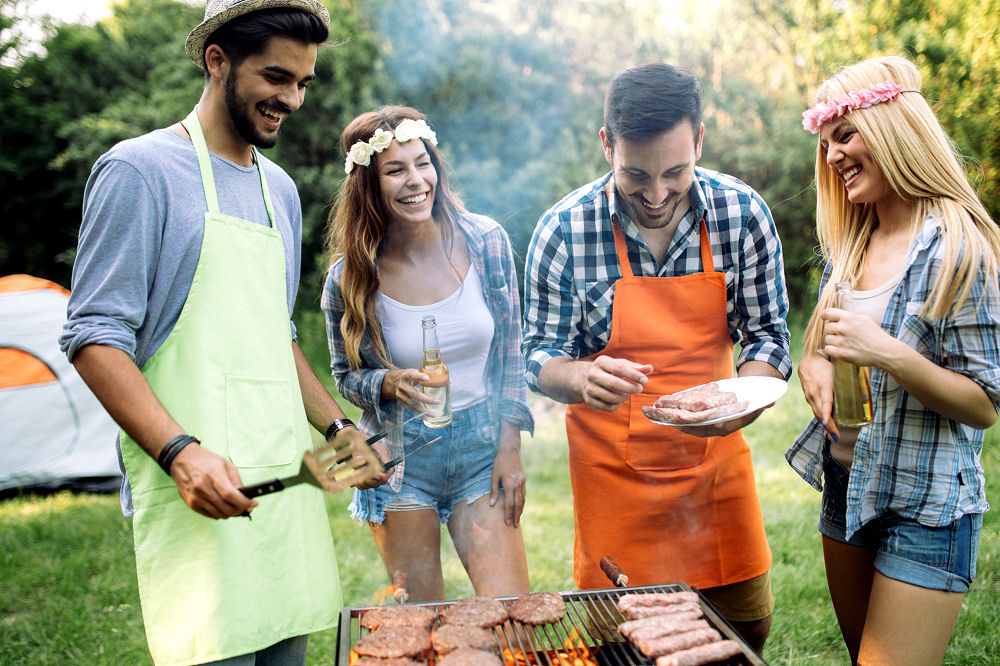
x=465 y=331
x=872 y=304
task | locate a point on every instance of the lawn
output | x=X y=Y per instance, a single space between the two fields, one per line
x=68 y=589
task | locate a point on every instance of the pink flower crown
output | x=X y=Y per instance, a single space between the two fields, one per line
x=859 y=98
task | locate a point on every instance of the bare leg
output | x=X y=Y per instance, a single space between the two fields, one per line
x=492 y=552
x=908 y=624
x=411 y=541
x=849 y=571
x=754 y=633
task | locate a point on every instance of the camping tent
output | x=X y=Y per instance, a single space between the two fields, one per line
x=53 y=431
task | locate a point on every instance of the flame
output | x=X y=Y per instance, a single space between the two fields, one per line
x=574 y=653
x=383 y=595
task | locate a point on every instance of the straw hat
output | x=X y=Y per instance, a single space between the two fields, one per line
x=218 y=12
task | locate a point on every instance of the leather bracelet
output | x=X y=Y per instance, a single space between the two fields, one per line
x=337 y=426
x=172 y=448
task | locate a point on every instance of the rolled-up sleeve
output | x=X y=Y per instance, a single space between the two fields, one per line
x=115 y=263
x=513 y=406
x=552 y=314
x=761 y=299
x=362 y=386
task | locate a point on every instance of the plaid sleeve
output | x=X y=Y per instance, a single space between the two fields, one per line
x=970 y=340
x=761 y=299
x=551 y=313
x=362 y=386
x=514 y=403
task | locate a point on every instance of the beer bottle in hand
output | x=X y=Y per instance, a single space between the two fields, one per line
x=439 y=385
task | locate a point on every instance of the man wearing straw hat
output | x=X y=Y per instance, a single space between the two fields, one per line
x=179 y=320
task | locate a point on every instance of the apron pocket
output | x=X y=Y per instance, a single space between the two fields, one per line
x=259 y=430
x=653 y=446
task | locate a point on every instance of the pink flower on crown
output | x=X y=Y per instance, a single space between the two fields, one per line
x=859 y=98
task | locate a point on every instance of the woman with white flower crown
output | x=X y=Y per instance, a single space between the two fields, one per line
x=904 y=496
x=402 y=246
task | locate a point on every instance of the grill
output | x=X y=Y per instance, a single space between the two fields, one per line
x=589 y=629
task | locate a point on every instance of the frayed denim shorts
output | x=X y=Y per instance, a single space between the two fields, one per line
x=458 y=468
x=936 y=558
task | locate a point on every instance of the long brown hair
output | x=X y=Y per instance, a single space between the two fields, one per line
x=922 y=165
x=356 y=227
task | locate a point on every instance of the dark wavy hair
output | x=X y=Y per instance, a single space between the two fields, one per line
x=249 y=34
x=357 y=223
x=644 y=102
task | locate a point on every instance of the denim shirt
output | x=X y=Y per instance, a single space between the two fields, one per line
x=492 y=257
x=911 y=460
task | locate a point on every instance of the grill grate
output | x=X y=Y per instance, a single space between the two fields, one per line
x=591 y=621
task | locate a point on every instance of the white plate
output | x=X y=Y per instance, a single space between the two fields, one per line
x=757 y=391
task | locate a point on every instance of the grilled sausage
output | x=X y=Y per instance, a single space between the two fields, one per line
x=702 y=654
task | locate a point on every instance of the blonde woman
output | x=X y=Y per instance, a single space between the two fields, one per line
x=903 y=497
x=402 y=246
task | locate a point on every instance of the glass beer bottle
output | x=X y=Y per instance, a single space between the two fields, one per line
x=439 y=385
x=852 y=392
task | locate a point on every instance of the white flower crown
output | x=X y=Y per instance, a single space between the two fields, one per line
x=407 y=130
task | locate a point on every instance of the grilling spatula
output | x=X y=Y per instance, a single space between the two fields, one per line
x=327 y=468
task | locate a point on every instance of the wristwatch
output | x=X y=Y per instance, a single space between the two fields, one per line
x=337 y=426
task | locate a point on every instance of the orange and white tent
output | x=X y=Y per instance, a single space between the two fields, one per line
x=53 y=431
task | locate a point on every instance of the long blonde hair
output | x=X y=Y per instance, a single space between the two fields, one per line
x=356 y=227
x=922 y=165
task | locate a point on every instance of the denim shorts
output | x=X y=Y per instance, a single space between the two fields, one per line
x=936 y=558
x=458 y=468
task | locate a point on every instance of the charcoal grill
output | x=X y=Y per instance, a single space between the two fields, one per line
x=591 y=621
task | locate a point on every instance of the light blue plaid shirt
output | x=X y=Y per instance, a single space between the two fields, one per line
x=506 y=393
x=572 y=267
x=912 y=461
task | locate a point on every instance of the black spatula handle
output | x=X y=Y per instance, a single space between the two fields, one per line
x=265 y=488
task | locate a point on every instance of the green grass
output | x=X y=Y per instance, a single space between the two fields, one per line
x=68 y=589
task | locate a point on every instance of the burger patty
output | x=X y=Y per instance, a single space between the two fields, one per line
x=484 y=612
x=469 y=657
x=397 y=661
x=398 y=616
x=538 y=608
x=393 y=642
x=449 y=637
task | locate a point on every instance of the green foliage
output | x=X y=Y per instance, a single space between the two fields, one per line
x=514 y=90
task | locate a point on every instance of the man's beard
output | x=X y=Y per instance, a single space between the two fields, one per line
x=640 y=215
x=242 y=120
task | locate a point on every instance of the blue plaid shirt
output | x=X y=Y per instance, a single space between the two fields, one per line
x=506 y=393
x=912 y=461
x=572 y=268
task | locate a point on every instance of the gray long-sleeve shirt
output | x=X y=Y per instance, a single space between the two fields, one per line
x=143 y=223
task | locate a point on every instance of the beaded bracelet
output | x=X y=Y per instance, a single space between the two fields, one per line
x=172 y=448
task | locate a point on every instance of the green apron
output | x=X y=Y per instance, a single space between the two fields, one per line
x=213 y=589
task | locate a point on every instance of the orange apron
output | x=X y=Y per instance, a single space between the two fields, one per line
x=668 y=507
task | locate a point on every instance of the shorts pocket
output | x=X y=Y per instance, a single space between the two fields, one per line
x=259 y=421
x=652 y=446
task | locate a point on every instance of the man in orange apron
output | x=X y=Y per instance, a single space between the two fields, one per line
x=637 y=285
x=179 y=321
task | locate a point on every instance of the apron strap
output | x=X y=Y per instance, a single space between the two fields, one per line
x=620 y=247
x=193 y=126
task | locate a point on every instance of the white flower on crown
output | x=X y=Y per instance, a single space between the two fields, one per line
x=407 y=130
x=410 y=129
x=360 y=154
x=380 y=140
